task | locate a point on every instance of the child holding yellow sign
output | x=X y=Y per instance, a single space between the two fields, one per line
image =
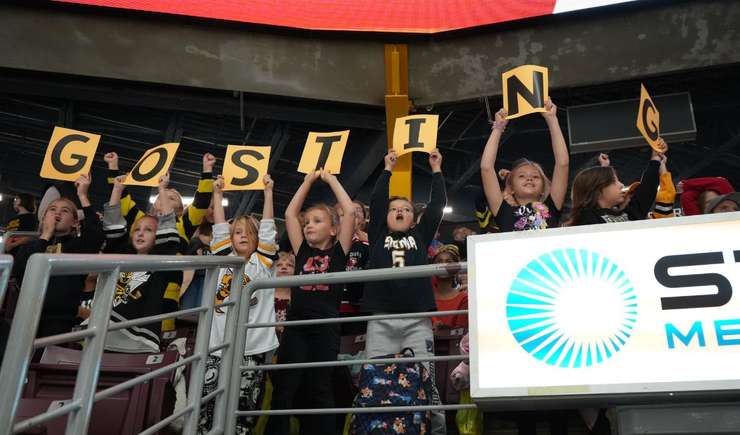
x=142 y=293
x=59 y=234
x=319 y=247
x=187 y=219
x=255 y=242
x=599 y=197
x=529 y=200
x=398 y=239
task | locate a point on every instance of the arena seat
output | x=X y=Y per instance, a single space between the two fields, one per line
x=131 y=411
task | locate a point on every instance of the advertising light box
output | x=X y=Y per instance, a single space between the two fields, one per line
x=408 y=16
x=645 y=309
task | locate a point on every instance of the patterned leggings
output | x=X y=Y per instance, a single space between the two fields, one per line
x=250 y=393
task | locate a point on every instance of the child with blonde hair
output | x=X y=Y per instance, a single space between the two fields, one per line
x=255 y=242
x=320 y=246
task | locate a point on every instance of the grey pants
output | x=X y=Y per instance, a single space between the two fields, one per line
x=391 y=336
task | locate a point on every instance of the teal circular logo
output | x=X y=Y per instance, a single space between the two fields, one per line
x=571 y=308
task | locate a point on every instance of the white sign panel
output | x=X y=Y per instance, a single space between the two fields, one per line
x=636 y=307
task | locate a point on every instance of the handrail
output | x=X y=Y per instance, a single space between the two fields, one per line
x=41 y=267
x=6 y=267
x=6 y=235
x=20 y=233
x=240 y=335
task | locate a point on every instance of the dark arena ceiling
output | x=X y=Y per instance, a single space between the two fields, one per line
x=132 y=117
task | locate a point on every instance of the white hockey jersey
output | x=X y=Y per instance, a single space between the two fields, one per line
x=262 y=303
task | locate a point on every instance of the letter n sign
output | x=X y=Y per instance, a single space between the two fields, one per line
x=70 y=153
x=525 y=90
x=245 y=167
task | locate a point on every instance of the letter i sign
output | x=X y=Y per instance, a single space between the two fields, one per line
x=415 y=133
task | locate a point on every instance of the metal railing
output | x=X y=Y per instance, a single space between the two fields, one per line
x=25 y=323
x=5 y=236
x=231 y=413
x=79 y=408
x=6 y=267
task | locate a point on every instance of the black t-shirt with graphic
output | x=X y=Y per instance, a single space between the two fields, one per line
x=396 y=249
x=638 y=207
x=317 y=301
x=356 y=260
x=532 y=216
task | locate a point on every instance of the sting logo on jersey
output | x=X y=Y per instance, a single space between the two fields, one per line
x=127 y=287
x=224 y=290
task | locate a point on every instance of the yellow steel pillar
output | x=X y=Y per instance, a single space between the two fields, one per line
x=397 y=105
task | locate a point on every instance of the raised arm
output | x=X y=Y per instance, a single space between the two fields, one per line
x=267 y=247
x=219 y=216
x=117 y=191
x=559 y=186
x=167 y=240
x=268 y=211
x=111 y=159
x=129 y=209
x=347 y=230
x=644 y=196
x=491 y=188
x=666 y=196
x=196 y=212
x=82 y=184
x=221 y=240
x=114 y=225
x=432 y=216
x=379 y=198
x=292 y=222
x=91 y=236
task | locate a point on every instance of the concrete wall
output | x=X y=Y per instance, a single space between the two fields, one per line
x=598 y=46
x=584 y=48
x=195 y=54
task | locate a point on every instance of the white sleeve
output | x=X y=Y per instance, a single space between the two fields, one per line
x=261 y=261
x=221 y=241
x=266 y=248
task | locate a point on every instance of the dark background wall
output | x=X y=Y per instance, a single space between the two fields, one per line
x=602 y=45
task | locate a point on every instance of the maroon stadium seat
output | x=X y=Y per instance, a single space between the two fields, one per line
x=129 y=412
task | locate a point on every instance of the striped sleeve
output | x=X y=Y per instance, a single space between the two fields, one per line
x=167 y=240
x=129 y=210
x=665 y=198
x=182 y=231
x=171 y=300
x=221 y=241
x=111 y=178
x=114 y=225
x=266 y=246
x=197 y=211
